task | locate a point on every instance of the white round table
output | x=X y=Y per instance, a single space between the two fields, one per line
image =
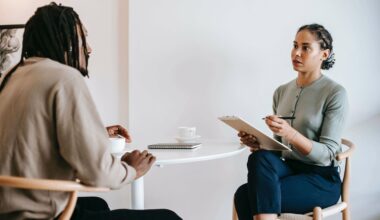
x=209 y=150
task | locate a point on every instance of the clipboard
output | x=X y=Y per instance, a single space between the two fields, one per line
x=266 y=142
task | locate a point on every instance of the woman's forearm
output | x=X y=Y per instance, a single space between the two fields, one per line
x=300 y=142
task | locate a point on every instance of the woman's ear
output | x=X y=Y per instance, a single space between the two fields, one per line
x=325 y=54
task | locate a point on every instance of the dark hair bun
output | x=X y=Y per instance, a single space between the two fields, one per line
x=327 y=64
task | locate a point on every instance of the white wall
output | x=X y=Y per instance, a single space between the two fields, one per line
x=191 y=61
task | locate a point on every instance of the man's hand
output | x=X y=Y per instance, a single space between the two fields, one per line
x=249 y=140
x=141 y=161
x=114 y=130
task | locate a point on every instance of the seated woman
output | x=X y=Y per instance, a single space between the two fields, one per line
x=308 y=176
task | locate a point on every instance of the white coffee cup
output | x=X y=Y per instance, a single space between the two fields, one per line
x=117 y=144
x=186 y=132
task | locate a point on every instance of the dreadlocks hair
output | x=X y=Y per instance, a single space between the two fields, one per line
x=53 y=32
x=325 y=41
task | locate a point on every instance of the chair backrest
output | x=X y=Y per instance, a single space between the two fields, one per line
x=342 y=206
x=345 y=155
x=71 y=187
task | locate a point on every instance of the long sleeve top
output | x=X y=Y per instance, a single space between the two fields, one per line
x=320 y=111
x=50 y=129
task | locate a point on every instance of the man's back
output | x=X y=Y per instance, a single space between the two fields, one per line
x=50 y=129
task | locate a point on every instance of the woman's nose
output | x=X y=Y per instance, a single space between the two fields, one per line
x=297 y=52
x=89 y=49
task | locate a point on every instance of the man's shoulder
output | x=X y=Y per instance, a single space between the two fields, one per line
x=53 y=69
x=48 y=74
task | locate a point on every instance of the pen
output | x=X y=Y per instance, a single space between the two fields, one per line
x=284 y=117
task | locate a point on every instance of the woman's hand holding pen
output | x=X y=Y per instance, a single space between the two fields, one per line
x=280 y=127
x=249 y=140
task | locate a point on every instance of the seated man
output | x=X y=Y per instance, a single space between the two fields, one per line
x=50 y=128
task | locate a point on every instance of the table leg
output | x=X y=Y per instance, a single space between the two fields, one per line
x=138 y=193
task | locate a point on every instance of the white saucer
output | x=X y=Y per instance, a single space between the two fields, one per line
x=188 y=140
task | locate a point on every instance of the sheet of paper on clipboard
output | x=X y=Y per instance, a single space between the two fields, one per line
x=266 y=142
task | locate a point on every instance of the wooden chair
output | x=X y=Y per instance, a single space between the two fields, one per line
x=52 y=185
x=342 y=206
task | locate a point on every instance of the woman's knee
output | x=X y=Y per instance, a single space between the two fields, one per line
x=241 y=195
x=260 y=158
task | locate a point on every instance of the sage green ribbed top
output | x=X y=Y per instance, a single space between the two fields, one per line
x=320 y=110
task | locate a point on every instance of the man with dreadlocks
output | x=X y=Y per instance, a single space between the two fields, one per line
x=50 y=129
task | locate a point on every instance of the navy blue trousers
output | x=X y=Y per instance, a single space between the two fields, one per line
x=278 y=186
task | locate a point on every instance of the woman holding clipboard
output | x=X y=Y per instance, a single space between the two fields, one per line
x=296 y=181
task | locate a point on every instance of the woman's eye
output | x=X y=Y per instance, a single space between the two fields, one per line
x=305 y=48
x=295 y=46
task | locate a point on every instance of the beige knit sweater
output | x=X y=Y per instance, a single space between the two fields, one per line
x=50 y=128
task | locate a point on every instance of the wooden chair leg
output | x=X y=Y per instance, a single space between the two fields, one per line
x=317 y=213
x=69 y=209
x=346 y=213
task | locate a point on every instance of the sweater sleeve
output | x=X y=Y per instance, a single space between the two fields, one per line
x=83 y=139
x=324 y=151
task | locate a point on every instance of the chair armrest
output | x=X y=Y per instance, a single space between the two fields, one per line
x=44 y=184
x=348 y=152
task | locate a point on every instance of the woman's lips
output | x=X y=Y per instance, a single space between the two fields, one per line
x=297 y=63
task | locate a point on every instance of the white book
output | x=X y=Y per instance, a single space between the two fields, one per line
x=174 y=146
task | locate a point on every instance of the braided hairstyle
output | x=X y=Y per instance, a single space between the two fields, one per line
x=325 y=42
x=53 y=32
